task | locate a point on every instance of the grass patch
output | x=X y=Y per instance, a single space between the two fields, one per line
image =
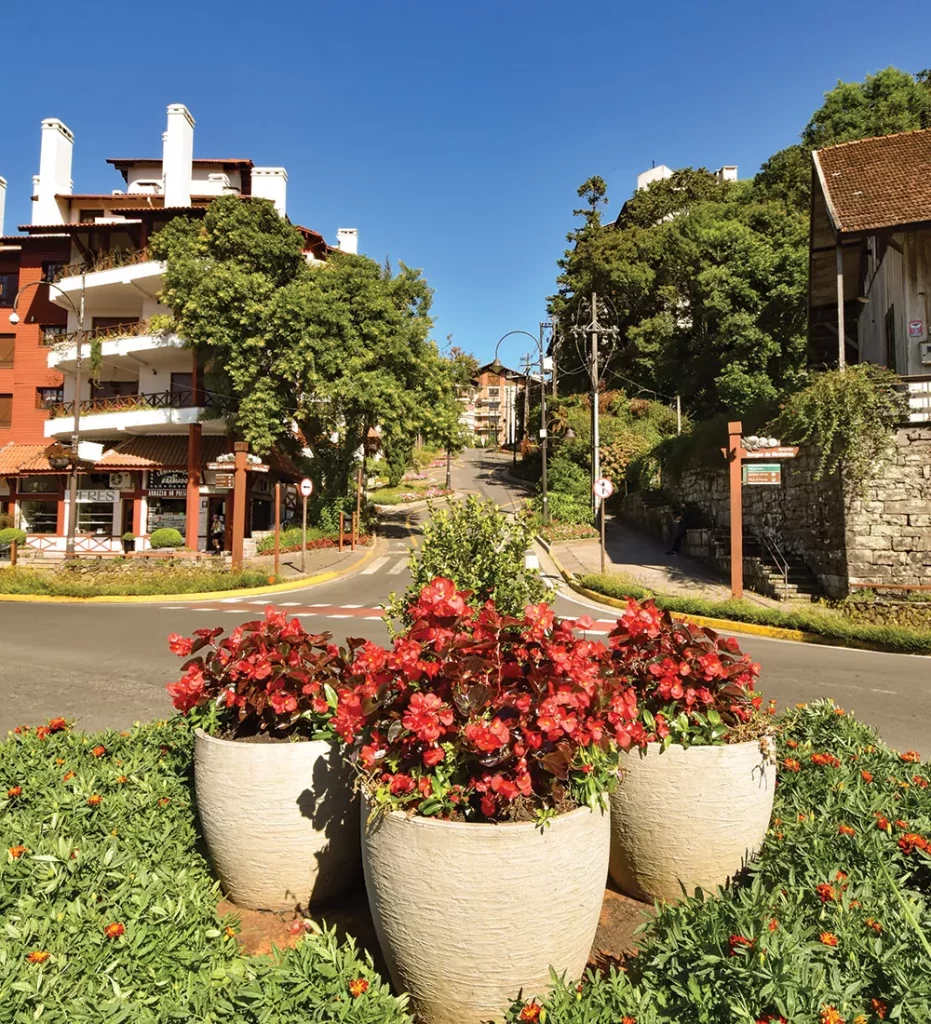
x=70 y=868
x=290 y=540
x=121 y=579
x=823 y=621
x=406 y=492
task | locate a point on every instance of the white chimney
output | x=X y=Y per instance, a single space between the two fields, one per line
x=348 y=240
x=271 y=183
x=726 y=173
x=54 y=172
x=2 y=202
x=177 y=155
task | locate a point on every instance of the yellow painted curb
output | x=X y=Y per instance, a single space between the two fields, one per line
x=214 y=595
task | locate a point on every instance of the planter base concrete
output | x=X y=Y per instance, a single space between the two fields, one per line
x=689 y=817
x=280 y=820
x=470 y=915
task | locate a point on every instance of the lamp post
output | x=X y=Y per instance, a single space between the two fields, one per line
x=76 y=428
x=496 y=368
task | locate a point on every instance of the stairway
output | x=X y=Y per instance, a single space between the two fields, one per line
x=799 y=584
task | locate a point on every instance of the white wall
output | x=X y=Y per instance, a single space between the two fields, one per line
x=653 y=174
x=201 y=185
x=271 y=183
x=348 y=239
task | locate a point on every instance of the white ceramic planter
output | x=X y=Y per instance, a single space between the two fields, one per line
x=469 y=915
x=280 y=820
x=689 y=816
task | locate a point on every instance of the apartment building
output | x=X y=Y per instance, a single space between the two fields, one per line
x=498 y=406
x=155 y=454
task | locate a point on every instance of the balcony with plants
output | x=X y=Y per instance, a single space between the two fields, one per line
x=123 y=341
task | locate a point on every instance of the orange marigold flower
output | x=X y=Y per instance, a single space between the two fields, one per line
x=846 y=830
x=919 y=781
x=229 y=932
x=164 y=801
x=773 y=924
x=871 y=922
x=14 y=791
x=882 y=822
x=792 y=744
x=38 y=956
x=42 y=732
x=357 y=987
x=94 y=801
x=901 y=824
x=860 y=1019
x=866 y=776
x=825 y=759
x=831 y=1015
x=879 y=1008
x=771 y=1018
x=855 y=903
x=839 y=711
x=99 y=750
x=791 y=765
x=911 y=842
x=17 y=851
x=826 y=892
x=802 y=817
x=628 y=1020
x=59 y=761
x=911 y=757
x=841 y=876
x=801 y=706
x=67 y=777
x=738 y=941
x=57 y=725
x=114 y=930
x=828 y=938
x=121 y=779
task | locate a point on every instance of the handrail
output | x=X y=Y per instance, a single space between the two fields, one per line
x=768 y=542
x=184 y=399
x=129 y=329
x=106 y=259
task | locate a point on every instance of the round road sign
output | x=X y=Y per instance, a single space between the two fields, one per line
x=306 y=487
x=603 y=487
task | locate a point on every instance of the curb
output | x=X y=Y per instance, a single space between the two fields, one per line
x=213 y=595
x=727 y=625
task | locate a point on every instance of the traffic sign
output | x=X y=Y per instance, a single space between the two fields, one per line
x=603 y=488
x=306 y=487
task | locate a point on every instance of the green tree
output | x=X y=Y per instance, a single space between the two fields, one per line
x=889 y=101
x=336 y=349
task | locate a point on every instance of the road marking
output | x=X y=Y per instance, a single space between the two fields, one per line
x=892 y=692
x=172 y=607
x=375 y=566
x=230 y=600
x=372 y=618
x=337 y=616
x=258 y=602
x=317 y=606
x=290 y=604
x=350 y=606
x=399 y=567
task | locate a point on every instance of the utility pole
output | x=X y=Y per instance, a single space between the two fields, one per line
x=526 y=369
x=554 y=326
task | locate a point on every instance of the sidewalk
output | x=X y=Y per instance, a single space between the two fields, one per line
x=317 y=561
x=644 y=561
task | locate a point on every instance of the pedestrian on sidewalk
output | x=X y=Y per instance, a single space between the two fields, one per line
x=678 y=534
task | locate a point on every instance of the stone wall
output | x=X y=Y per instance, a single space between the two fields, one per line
x=882 y=538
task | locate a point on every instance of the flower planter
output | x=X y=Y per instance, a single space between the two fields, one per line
x=689 y=817
x=469 y=915
x=280 y=820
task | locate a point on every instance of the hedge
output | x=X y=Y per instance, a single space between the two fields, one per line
x=811 y=620
x=115 y=579
x=99 y=838
x=166 y=538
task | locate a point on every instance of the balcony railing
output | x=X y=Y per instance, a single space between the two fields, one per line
x=106 y=260
x=184 y=399
x=130 y=329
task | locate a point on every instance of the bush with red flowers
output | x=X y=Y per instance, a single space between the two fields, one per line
x=473 y=715
x=268 y=676
x=675 y=682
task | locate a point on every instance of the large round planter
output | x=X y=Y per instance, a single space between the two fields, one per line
x=690 y=817
x=469 y=915
x=280 y=820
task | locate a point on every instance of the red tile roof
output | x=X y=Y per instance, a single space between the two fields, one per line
x=237 y=161
x=15 y=457
x=877 y=183
x=161 y=452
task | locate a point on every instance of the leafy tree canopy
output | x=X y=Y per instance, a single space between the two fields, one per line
x=336 y=349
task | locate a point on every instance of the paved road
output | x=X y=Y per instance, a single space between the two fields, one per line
x=107 y=665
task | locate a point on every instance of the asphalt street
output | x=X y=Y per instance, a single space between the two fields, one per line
x=107 y=665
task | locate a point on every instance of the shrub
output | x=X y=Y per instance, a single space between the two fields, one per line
x=675 y=682
x=481 y=551
x=166 y=538
x=478 y=716
x=117 y=578
x=135 y=859
x=568 y=508
x=568 y=477
x=268 y=677
x=10 y=534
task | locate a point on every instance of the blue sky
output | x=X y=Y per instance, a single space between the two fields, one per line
x=451 y=134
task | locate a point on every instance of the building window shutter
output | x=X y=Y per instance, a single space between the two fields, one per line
x=7 y=351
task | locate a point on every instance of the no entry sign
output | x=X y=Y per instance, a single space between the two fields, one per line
x=307 y=487
x=603 y=488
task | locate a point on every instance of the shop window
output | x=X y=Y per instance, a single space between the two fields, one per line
x=39 y=485
x=39 y=516
x=87 y=216
x=8 y=286
x=6 y=411
x=7 y=351
x=167 y=513
x=95 y=517
x=52 y=334
x=94 y=482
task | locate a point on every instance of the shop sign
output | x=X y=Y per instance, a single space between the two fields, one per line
x=102 y=496
x=225 y=480
x=782 y=452
x=252 y=467
x=763 y=473
x=916 y=328
x=167 y=483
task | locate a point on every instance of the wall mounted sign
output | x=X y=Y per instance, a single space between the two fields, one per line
x=225 y=480
x=916 y=328
x=782 y=452
x=94 y=495
x=763 y=473
x=167 y=483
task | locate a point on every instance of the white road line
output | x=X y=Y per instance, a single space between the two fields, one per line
x=258 y=602
x=203 y=609
x=230 y=600
x=232 y=611
x=290 y=604
x=372 y=618
x=337 y=616
x=317 y=606
x=172 y=607
x=375 y=566
x=399 y=567
x=350 y=606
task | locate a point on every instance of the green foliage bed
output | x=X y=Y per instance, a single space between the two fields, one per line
x=115 y=579
x=830 y=923
x=823 y=621
x=134 y=860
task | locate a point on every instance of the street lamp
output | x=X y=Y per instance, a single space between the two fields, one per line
x=496 y=367
x=76 y=430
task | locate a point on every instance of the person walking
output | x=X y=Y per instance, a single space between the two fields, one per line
x=217 y=532
x=678 y=534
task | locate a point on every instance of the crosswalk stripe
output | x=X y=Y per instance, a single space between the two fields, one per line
x=289 y=604
x=399 y=567
x=372 y=618
x=258 y=602
x=230 y=600
x=337 y=616
x=350 y=606
x=375 y=566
